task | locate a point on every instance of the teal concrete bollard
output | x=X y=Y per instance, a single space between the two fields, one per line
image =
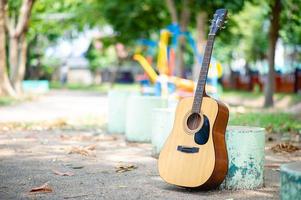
x=35 y=86
x=117 y=110
x=245 y=146
x=162 y=122
x=290 y=175
x=139 y=117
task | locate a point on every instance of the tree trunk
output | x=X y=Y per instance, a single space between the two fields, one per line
x=21 y=65
x=172 y=10
x=13 y=58
x=5 y=86
x=180 y=63
x=185 y=17
x=17 y=43
x=273 y=37
x=201 y=20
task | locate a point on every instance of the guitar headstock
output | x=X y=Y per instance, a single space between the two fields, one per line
x=218 y=21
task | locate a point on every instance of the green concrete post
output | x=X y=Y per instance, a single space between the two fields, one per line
x=139 y=117
x=290 y=175
x=245 y=146
x=117 y=100
x=162 y=122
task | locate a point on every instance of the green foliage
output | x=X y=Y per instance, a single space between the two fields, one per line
x=100 y=58
x=245 y=34
x=250 y=25
x=247 y=31
x=54 y=19
x=210 y=6
x=291 y=22
x=134 y=19
x=13 y=8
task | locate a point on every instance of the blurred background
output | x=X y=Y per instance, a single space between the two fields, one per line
x=89 y=45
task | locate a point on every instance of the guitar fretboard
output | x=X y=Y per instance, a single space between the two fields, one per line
x=200 y=89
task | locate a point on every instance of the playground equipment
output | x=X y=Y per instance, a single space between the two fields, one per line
x=162 y=63
x=180 y=83
x=166 y=62
x=153 y=76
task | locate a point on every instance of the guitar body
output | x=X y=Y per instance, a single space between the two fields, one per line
x=196 y=158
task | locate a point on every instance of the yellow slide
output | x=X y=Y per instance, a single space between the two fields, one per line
x=180 y=83
x=153 y=76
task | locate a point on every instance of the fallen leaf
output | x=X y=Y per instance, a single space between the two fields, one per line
x=269 y=128
x=85 y=151
x=284 y=147
x=272 y=165
x=63 y=173
x=65 y=137
x=79 y=150
x=77 y=137
x=77 y=167
x=41 y=189
x=91 y=147
x=125 y=168
x=104 y=138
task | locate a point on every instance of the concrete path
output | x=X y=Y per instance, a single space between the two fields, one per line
x=57 y=104
x=29 y=159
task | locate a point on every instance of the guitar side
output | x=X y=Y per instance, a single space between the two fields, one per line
x=205 y=168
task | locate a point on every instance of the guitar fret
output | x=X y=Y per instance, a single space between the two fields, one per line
x=198 y=97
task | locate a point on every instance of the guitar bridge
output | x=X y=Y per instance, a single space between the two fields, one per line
x=188 y=149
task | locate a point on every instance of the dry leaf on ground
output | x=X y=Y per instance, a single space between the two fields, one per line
x=45 y=188
x=104 y=138
x=76 y=137
x=91 y=147
x=85 y=151
x=65 y=137
x=285 y=147
x=125 y=168
x=63 y=173
x=273 y=165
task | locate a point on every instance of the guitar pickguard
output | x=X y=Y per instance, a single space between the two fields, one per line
x=201 y=137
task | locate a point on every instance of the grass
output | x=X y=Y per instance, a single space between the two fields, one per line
x=105 y=87
x=273 y=122
x=7 y=101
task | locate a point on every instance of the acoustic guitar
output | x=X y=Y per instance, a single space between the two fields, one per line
x=195 y=155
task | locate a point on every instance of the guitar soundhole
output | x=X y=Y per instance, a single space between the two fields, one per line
x=193 y=121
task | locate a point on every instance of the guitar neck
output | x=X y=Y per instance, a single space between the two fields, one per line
x=200 y=89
